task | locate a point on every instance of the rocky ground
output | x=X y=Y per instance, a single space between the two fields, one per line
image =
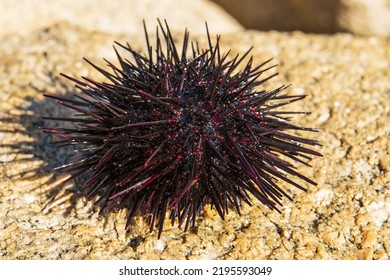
x=346 y=80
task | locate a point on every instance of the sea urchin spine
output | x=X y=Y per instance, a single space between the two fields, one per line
x=172 y=132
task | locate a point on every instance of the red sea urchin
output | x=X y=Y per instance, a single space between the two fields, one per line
x=171 y=132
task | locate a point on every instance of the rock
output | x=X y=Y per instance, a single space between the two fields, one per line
x=114 y=16
x=306 y=15
x=364 y=17
x=341 y=218
x=369 y=239
x=315 y=16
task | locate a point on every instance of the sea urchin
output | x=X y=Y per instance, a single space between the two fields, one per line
x=172 y=132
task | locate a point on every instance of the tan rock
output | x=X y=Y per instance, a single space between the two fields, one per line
x=334 y=239
x=380 y=255
x=369 y=239
x=114 y=16
x=304 y=15
x=356 y=16
x=365 y=17
x=365 y=254
x=345 y=220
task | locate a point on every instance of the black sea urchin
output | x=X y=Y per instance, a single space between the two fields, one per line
x=175 y=132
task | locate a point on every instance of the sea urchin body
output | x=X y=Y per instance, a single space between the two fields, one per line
x=171 y=132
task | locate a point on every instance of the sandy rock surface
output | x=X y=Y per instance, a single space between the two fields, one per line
x=346 y=216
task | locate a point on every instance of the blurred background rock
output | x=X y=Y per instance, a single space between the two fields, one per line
x=363 y=17
x=114 y=16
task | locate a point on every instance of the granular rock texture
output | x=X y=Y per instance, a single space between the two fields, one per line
x=346 y=80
